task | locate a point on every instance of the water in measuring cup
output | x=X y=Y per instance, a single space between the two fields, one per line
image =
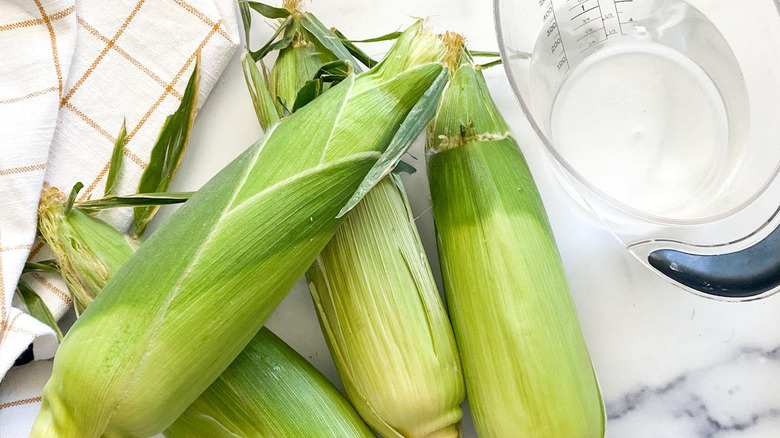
x=624 y=98
x=645 y=125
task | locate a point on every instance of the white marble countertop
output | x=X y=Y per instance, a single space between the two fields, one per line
x=670 y=364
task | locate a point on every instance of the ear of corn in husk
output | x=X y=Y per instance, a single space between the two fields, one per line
x=527 y=368
x=374 y=275
x=192 y=297
x=305 y=46
x=268 y=391
x=385 y=324
x=88 y=250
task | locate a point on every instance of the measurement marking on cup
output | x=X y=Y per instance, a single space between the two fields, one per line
x=591 y=31
x=593 y=43
x=620 y=13
x=585 y=11
x=604 y=21
x=591 y=34
x=585 y=22
x=578 y=29
x=559 y=41
x=580 y=4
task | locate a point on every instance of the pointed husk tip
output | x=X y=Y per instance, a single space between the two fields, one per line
x=417 y=45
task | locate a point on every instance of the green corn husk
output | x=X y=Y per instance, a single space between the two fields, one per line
x=193 y=296
x=384 y=321
x=168 y=151
x=308 y=53
x=262 y=101
x=36 y=308
x=88 y=251
x=527 y=368
x=297 y=63
x=270 y=391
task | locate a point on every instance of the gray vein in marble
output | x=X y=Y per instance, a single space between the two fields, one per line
x=708 y=401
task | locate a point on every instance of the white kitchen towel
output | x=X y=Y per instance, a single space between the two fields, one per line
x=70 y=72
x=37 y=41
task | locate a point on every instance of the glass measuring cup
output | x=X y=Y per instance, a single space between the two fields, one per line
x=661 y=116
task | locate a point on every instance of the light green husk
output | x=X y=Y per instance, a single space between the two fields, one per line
x=270 y=391
x=193 y=296
x=527 y=368
x=384 y=321
x=263 y=103
x=89 y=251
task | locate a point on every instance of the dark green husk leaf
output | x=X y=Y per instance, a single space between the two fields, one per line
x=265 y=10
x=334 y=71
x=72 y=196
x=168 y=151
x=386 y=37
x=137 y=200
x=260 y=53
x=490 y=64
x=359 y=54
x=246 y=19
x=281 y=44
x=307 y=93
x=49 y=266
x=36 y=307
x=329 y=40
x=116 y=160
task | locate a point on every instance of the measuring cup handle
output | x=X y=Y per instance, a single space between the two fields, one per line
x=749 y=273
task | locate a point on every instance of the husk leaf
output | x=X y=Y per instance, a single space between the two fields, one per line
x=384 y=321
x=270 y=391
